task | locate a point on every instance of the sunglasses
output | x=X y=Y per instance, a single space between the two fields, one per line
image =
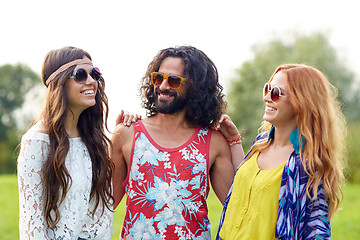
x=174 y=81
x=275 y=92
x=81 y=75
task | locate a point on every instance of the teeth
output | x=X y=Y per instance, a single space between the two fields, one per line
x=270 y=108
x=88 y=92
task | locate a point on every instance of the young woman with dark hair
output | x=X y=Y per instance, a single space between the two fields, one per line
x=64 y=168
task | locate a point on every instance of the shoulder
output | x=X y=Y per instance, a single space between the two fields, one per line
x=295 y=166
x=34 y=150
x=36 y=132
x=261 y=136
x=216 y=136
x=38 y=127
x=123 y=133
x=218 y=143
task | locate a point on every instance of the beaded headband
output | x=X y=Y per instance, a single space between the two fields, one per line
x=66 y=66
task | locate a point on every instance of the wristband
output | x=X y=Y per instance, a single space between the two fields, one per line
x=237 y=140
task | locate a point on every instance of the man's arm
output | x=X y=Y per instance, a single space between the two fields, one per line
x=221 y=170
x=120 y=155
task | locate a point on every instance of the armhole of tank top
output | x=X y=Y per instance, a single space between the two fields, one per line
x=207 y=160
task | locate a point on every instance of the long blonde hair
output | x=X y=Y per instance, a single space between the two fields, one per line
x=323 y=126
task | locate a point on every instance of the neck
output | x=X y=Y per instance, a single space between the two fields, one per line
x=71 y=124
x=175 y=120
x=282 y=138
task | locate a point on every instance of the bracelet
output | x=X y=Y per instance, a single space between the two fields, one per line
x=237 y=140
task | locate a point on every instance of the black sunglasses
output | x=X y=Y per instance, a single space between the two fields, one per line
x=81 y=75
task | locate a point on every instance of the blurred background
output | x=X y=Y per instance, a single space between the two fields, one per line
x=245 y=39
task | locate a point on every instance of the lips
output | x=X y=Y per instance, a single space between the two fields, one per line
x=160 y=95
x=270 y=109
x=88 y=92
x=164 y=94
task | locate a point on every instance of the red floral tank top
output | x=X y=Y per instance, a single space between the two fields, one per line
x=167 y=188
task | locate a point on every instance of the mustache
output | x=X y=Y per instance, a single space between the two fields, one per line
x=167 y=92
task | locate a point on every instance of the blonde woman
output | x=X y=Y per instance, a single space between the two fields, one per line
x=289 y=184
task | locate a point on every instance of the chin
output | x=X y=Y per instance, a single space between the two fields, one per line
x=268 y=119
x=89 y=104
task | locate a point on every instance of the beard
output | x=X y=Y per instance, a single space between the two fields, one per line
x=166 y=107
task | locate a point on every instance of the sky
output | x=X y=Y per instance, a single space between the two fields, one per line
x=123 y=36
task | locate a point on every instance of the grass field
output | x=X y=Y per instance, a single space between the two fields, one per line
x=345 y=225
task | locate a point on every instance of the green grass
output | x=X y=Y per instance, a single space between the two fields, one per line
x=346 y=223
x=9 y=207
x=344 y=226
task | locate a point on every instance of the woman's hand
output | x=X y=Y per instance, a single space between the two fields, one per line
x=127 y=118
x=231 y=133
x=226 y=126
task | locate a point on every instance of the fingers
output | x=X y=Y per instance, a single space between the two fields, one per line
x=136 y=117
x=120 y=118
x=223 y=118
x=224 y=122
x=227 y=127
x=127 y=118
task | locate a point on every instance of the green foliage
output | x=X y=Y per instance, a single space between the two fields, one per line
x=345 y=224
x=353 y=169
x=15 y=83
x=246 y=106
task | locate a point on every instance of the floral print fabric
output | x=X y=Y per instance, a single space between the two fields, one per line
x=167 y=189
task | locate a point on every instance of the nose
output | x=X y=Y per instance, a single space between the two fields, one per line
x=267 y=97
x=89 y=79
x=164 y=85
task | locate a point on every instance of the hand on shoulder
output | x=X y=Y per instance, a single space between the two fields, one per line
x=127 y=118
x=228 y=129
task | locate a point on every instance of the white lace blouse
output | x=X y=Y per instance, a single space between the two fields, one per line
x=76 y=221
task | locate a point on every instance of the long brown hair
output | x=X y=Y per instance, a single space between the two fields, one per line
x=322 y=124
x=91 y=125
x=205 y=99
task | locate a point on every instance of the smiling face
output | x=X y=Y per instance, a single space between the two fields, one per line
x=81 y=96
x=168 y=100
x=280 y=112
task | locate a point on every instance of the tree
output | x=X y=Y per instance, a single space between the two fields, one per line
x=15 y=82
x=246 y=106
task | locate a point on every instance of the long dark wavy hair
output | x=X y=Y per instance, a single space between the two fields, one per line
x=91 y=126
x=205 y=102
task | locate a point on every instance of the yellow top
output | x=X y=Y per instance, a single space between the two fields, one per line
x=253 y=206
